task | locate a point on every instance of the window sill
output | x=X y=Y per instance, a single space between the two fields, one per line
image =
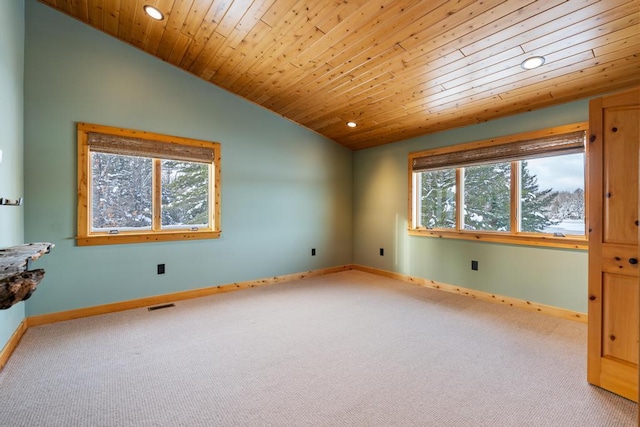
x=512 y=239
x=128 y=237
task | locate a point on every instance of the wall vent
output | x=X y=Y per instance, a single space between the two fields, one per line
x=159 y=307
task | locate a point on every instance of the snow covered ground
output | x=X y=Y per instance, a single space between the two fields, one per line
x=567 y=227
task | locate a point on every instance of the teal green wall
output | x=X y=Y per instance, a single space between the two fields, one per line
x=11 y=141
x=548 y=276
x=285 y=189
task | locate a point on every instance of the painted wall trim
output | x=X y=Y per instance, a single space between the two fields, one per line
x=61 y=316
x=485 y=296
x=12 y=344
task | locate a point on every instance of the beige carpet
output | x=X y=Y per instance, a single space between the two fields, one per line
x=348 y=349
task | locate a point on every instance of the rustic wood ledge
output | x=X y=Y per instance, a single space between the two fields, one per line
x=16 y=258
x=16 y=282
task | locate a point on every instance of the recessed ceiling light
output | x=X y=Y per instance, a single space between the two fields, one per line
x=533 y=62
x=153 y=13
x=352 y=124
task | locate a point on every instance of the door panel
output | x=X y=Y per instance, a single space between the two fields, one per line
x=620 y=317
x=615 y=377
x=620 y=176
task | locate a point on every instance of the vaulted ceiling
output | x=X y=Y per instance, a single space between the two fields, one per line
x=398 y=68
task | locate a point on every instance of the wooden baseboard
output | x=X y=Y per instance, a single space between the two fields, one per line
x=44 y=319
x=485 y=296
x=11 y=345
x=196 y=293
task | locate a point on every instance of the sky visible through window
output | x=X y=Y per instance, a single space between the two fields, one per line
x=564 y=173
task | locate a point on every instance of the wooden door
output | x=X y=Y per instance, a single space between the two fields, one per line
x=614 y=143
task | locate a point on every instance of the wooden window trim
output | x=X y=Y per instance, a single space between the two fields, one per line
x=512 y=237
x=86 y=237
x=499 y=237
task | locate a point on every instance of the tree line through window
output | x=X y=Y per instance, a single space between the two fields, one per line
x=538 y=191
x=122 y=193
x=136 y=186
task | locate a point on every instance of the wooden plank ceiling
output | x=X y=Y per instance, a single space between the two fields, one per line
x=399 y=68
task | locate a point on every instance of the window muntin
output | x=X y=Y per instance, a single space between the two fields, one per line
x=496 y=219
x=136 y=186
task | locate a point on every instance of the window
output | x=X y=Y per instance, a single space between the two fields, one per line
x=136 y=186
x=526 y=188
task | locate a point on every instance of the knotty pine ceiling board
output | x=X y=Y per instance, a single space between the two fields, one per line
x=399 y=68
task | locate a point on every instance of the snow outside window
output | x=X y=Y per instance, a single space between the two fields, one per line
x=137 y=187
x=552 y=197
x=551 y=191
x=487 y=197
x=185 y=194
x=526 y=188
x=121 y=192
x=437 y=198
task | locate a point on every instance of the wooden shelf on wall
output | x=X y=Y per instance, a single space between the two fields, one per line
x=17 y=282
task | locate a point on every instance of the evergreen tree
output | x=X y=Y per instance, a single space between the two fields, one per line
x=121 y=190
x=487 y=200
x=185 y=193
x=535 y=203
x=487 y=197
x=438 y=198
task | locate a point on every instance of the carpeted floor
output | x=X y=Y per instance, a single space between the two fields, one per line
x=347 y=349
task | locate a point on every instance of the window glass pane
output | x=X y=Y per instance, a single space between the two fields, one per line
x=120 y=192
x=487 y=197
x=437 y=198
x=185 y=194
x=552 y=195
